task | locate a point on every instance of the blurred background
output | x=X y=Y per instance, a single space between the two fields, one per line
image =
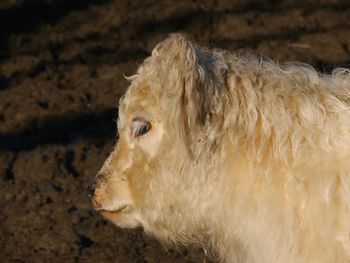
x=61 y=76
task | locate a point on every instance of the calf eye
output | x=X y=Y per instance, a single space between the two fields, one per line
x=140 y=127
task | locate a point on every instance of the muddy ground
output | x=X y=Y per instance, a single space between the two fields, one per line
x=61 y=75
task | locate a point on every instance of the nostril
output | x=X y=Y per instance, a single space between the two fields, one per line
x=91 y=189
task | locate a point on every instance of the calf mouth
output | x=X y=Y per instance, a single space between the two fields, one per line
x=123 y=209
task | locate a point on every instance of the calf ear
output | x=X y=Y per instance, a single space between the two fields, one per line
x=201 y=89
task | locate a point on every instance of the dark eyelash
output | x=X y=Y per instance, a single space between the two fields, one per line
x=140 y=127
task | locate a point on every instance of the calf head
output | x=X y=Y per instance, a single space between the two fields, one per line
x=168 y=121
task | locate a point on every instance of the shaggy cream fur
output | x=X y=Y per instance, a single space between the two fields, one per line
x=233 y=153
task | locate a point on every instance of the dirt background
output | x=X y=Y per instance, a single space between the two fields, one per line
x=61 y=75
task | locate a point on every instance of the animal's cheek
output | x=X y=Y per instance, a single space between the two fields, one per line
x=139 y=176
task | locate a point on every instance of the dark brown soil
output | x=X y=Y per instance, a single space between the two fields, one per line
x=61 y=75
